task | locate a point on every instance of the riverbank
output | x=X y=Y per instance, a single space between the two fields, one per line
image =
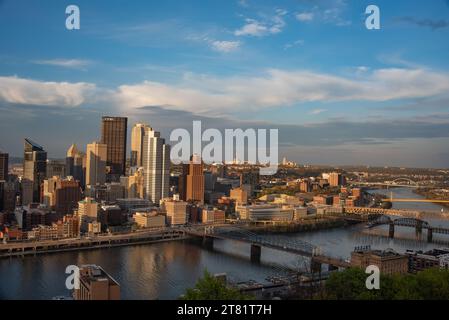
x=430 y=194
x=304 y=226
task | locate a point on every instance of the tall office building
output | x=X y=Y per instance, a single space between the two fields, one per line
x=3 y=166
x=137 y=134
x=34 y=168
x=96 y=163
x=156 y=164
x=62 y=194
x=336 y=179
x=76 y=164
x=195 y=180
x=113 y=134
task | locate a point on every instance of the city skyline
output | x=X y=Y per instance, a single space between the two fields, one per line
x=338 y=93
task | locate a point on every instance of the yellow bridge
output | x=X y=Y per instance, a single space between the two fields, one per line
x=414 y=200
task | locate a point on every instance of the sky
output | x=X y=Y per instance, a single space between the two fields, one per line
x=337 y=92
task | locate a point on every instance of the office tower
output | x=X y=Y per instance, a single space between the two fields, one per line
x=240 y=195
x=96 y=284
x=136 y=183
x=156 y=164
x=34 y=169
x=176 y=210
x=62 y=195
x=87 y=212
x=336 y=179
x=76 y=164
x=3 y=166
x=137 y=134
x=113 y=135
x=195 y=180
x=96 y=163
x=56 y=168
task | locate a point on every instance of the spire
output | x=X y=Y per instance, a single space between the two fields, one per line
x=72 y=151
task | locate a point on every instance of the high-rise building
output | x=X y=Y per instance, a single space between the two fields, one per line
x=336 y=179
x=3 y=166
x=113 y=135
x=137 y=134
x=96 y=163
x=34 y=168
x=87 y=213
x=67 y=195
x=156 y=164
x=176 y=210
x=76 y=165
x=195 y=180
x=96 y=284
x=56 y=168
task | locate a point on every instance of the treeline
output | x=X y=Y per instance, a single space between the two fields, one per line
x=430 y=284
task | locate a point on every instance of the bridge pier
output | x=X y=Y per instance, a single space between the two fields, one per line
x=256 y=251
x=208 y=242
x=315 y=266
x=391 y=230
x=429 y=235
x=419 y=226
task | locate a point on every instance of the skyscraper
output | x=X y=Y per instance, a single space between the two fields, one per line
x=156 y=164
x=195 y=180
x=34 y=168
x=137 y=134
x=3 y=166
x=96 y=163
x=113 y=134
x=75 y=164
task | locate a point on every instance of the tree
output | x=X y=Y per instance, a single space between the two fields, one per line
x=210 y=288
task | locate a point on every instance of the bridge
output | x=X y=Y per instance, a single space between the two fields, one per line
x=399 y=182
x=390 y=212
x=295 y=246
x=22 y=248
x=418 y=224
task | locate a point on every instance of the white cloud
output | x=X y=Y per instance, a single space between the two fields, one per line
x=275 y=88
x=293 y=44
x=225 y=95
x=65 y=63
x=62 y=94
x=317 y=111
x=256 y=28
x=225 y=46
x=305 y=16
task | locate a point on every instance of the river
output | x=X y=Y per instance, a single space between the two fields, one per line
x=165 y=270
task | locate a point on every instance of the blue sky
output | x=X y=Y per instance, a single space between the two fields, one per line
x=310 y=68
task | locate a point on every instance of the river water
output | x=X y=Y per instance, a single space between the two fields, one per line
x=165 y=270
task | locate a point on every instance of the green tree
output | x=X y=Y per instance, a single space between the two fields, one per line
x=210 y=288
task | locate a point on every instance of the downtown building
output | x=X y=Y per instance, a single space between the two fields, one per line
x=113 y=135
x=96 y=159
x=156 y=166
x=4 y=166
x=75 y=163
x=137 y=134
x=34 y=171
x=191 y=182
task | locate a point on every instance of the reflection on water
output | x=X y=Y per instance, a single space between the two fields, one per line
x=165 y=270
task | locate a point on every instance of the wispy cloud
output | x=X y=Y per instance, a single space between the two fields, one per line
x=65 y=63
x=304 y=16
x=317 y=111
x=225 y=46
x=426 y=23
x=258 y=28
x=293 y=44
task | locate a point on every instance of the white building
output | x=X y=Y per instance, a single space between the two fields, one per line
x=156 y=166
